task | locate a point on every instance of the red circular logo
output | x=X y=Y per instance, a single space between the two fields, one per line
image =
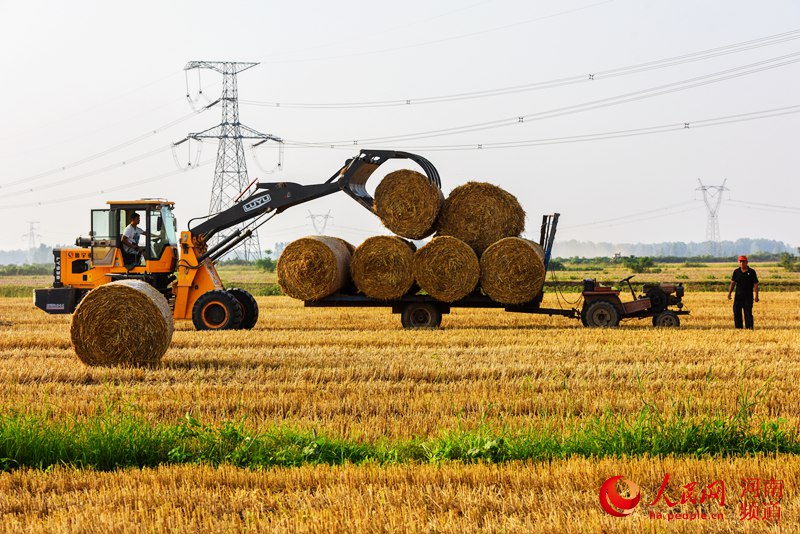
x=614 y=503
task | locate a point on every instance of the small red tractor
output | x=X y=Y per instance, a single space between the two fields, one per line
x=603 y=307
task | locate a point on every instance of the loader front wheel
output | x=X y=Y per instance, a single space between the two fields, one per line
x=249 y=307
x=602 y=313
x=216 y=310
x=421 y=315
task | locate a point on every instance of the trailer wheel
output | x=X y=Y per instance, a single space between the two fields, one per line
x=249 y=307
x=216 y=310
x=421 y=315
x=667 y=319
x=602 y=313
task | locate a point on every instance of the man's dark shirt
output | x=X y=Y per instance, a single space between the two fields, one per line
x=744 y=283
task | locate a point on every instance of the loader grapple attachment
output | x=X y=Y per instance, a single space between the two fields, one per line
x=354 y=175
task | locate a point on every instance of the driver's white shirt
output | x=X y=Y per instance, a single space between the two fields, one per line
x=133 y=233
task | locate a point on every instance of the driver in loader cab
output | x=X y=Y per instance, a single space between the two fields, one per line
x=130 y=242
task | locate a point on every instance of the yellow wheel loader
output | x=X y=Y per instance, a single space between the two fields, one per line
x=182 y=267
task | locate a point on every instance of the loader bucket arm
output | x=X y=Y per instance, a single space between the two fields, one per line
x=279 y=196
x=354 y=175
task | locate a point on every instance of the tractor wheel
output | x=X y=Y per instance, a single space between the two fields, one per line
x=658 y=299
x=216 y=310
x=249 y=307
x=421 y=315
x=667 y=319
x=602 y=313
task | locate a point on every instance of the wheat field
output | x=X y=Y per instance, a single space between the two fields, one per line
x=356 y=374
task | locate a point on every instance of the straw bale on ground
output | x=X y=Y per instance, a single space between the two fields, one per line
x=512 y=270
x=407 y=203
x=480 y=214
x=122 y=323
x=314 y=267
x=446 y=268
x=382 y=267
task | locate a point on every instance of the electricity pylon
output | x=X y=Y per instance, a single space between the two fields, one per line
x=712 y=196
x=320 y=222
x=230 y=174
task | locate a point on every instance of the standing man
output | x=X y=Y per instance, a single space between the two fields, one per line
x=745 y=280
x=130 y=242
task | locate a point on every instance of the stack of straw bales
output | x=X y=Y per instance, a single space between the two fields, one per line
x=477 y=241
x=314 y=267
x=122 y=323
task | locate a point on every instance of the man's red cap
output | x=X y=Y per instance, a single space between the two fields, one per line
x=742 y=258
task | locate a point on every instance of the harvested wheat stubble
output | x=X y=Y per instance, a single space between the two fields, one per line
x=512 y=272
x=122 y=323
x=383 y=267
x=407 y=203
x=480 y=214
x=446 y=268
x=314 y=267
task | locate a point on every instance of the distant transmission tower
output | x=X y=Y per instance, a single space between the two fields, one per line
x=712 y=196
x=32 y=235
x=320 y=222
x=230 y=175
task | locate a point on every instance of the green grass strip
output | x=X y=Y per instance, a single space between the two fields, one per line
x=116 y=440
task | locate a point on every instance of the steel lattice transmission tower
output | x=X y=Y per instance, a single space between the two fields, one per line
x=320 y=222
x=712 y=196
x=230 y=174
x=32 y=235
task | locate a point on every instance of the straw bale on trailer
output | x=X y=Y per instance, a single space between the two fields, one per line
x=407 y=203
x=314 y=267
x=480 y=214
x=383 y=267
x=512 y=271
x=122 y=323
x=446 y=268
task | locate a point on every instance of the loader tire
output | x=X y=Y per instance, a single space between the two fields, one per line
x=249 y=307
x=602 y=313
x=216 y=310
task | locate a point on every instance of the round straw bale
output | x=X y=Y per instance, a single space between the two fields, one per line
x=122 y=323
x=314 y=267
x=446 y=268
x=383 y=267
x=480 y=214
x=512 y=272
x=407 y=203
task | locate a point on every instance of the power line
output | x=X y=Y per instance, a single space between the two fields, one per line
x=107 y=151
x=559 y=82
x=445 y=39
x=106 y=190
x=682 y=85
x=626 y=218
x=763 y=206
x=599 y=136
x=117 y=165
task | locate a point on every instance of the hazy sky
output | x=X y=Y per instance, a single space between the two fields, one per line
x=84 y=80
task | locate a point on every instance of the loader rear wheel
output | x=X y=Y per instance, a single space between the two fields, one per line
x=249 y=307
x=667 y=319
x=216 y=310
x=421 y=315
x=601 y=313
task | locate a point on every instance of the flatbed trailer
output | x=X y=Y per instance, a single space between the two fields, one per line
x=424 y=311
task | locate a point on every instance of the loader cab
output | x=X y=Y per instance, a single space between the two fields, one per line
x=158 y=238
